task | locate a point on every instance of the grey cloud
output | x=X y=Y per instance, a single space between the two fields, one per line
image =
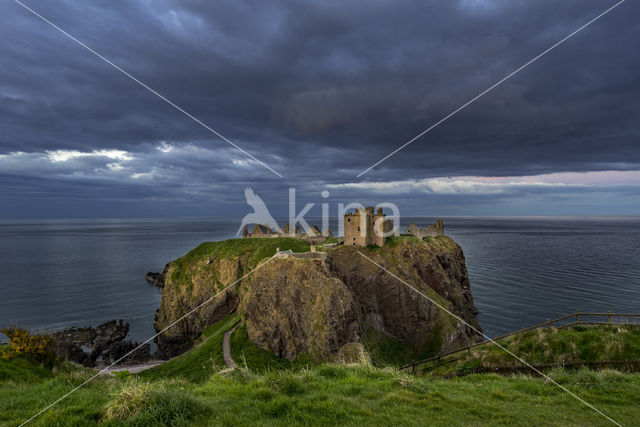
x=318 y=90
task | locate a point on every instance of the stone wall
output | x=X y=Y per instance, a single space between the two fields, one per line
x=314 y=236
x=435 y=230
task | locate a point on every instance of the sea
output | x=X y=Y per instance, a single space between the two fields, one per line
x=523 y=270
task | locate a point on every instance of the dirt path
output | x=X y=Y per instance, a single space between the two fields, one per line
x=134 y=369
x=226 y=347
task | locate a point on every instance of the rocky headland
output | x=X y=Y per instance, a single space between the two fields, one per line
x=318 y=308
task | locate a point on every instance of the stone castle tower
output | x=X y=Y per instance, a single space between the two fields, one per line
x=365 y=227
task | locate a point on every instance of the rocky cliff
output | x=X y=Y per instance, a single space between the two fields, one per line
x=435 y=267
x=202 y=273
x=294 y=306
x=297 y=306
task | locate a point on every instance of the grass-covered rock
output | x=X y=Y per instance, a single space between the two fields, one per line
x=390 y=313
x=293 y=306
x=310 y=308
x=200 y=274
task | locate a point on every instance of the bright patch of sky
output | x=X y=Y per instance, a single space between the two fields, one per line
x=498 y=185
x=66 y=155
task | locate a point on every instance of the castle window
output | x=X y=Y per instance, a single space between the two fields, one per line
x=358 y=228
x=348 y=219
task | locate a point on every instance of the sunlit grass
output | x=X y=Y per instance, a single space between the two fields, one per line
x=553 y=346
x=328 y=394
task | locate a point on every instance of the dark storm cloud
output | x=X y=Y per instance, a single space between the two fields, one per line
x=317 y=90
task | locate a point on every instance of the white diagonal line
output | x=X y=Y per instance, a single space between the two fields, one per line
x=147 y=341
x=492 y=341
x=472 y=100
x=153 y=91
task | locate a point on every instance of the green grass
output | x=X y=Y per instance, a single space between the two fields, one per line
x=551 y=345
x=205 y=359
x=21 y=369
x=202 y=361
x=253 y=249
x=336 y=395
x=324 y=395
x=247 y=354
x=154 y=403
x=396 y=240
x=388 y=351
x=258 y=248
x=26 y=388
x=330 y=240
x=191 y=390
x=444 y=242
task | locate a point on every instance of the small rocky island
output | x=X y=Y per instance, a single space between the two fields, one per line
x=320 y=300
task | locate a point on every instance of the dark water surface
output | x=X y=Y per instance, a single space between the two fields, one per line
x=523 y=271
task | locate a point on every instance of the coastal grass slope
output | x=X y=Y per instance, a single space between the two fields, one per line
x=201 y=361
x=546 y=346
x=319 y=395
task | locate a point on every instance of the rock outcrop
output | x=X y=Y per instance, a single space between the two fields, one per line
x=436 y=268
x=207 y=277
x=295 y=306
x=99 y=346
x=157 y=279
x=201 y=274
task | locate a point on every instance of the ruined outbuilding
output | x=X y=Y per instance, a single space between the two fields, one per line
x=314 y=236
x=435 y=230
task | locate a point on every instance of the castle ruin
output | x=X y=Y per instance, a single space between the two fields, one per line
x=314 y=236
x=435 y=230
x=365 y=227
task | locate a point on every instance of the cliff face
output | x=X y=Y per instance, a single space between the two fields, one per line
x=207 y=277
x=299 y=306
x=435 y=267
x=292 y=306
x=193 y=279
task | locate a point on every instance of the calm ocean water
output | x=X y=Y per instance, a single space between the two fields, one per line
x=62 y=273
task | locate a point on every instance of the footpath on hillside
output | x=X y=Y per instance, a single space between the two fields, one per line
x=226 y=347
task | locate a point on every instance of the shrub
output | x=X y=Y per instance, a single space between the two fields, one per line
x=142 y=403
x=353 y=353
x=128 y=402
x=36 y=347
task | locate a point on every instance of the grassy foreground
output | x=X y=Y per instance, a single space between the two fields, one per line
x=326 y=394
x=194 y=389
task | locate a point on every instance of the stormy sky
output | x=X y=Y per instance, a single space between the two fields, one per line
x=319 y=91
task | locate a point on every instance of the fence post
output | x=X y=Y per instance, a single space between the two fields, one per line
x=577 y=316
x=609 y=317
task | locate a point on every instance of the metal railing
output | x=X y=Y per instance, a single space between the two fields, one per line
x=437 y=360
